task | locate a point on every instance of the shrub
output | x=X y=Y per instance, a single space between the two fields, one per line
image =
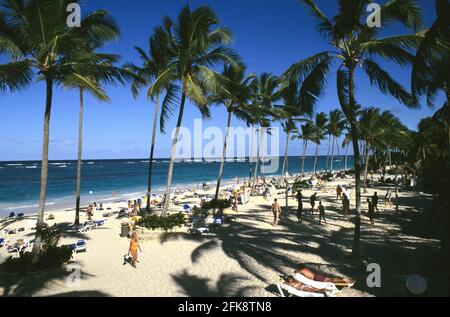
x=165 y=223
x=221 y=204
x=300 y=185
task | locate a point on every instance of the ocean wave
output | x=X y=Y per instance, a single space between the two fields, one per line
x=130 y=162
x=59 y=164
x=27 y=206
x=32 y=166
x=12 y=165
x=147 y=161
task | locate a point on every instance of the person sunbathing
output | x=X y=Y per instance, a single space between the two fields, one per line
x=320 y=278
x=292 y=282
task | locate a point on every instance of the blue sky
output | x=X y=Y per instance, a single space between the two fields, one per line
x=269 y=35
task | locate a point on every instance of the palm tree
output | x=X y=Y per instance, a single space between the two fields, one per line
x=35 y=37
x=197 y=44
x=264 y=96
x=89 y=73
x=430 y=73
x=354 y=43
x=234 y=93
x=345 y=144
x=155 y=69
x=335 y=127
x=307 y=134
x=319 y=134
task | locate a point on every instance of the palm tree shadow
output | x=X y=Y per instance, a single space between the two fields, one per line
x=229 y=285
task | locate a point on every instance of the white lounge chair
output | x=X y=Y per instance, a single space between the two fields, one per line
x=328 y=286
x=78 y=246
x=284 y=288
x=19 y=248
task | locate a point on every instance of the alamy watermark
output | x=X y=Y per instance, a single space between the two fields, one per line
x=374 y=18
x=74 y=17
x=207 y=144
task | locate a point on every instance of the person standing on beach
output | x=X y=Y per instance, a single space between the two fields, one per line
x=375 y=201
x=133 y=249
x=345 y=205
x=371 y=211
x=312 y=200
x=299 y=197
x=321 y=213
x=276 y=210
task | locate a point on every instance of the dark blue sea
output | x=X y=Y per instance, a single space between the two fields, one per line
x=116 y=180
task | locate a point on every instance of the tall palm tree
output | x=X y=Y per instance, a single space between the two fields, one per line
x=319 y=134
x=198 y=43
x=430 y=73
x=307 y=134
x=265 y=93
x=155 y=69
x=35 y=37
x=335 y=127
x=345 y=144
x=234 y=93
x=89 y=73
x=354 y=43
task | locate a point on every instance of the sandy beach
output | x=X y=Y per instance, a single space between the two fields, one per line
x=246 y=257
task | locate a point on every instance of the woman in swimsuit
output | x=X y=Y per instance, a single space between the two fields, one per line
x=134 y=247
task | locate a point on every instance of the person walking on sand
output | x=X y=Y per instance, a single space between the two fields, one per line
x=371 y=211
x=312 y=200
x=345 y=205
x=375 y=201
x=299 y=197
x=134 y=247
x=387 y=198
x=339 y=192
x=276 y=210
x=321 y=213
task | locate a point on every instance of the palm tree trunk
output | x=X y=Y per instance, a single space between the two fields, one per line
x=389 y=158
x=44 y=166
x=346 y=156
x=338 y=152
x=328 y=152
x=255 y=172
x=396 y=188
x=357 y=162
x=152 y=151
x=80 y=154
x=332 y=155
x=305 y=146
x=366 y=169
x=315 y=159
x=222 y=164
x=251 y=156
x=285 y=156
x=173 y=152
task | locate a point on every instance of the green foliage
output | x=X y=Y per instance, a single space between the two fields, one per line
x=165 y=223
x=300 y=184
x=221 y=204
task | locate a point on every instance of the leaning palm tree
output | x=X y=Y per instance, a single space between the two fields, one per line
x=354 y=43
x=291 y=112
x=89 y=73
x=155 y=69
x=197 y=44
x=319 y=134
x=36 y=39
x=265 y=94
x=335 y=127
x=306 y=135
x=345 y=144
x=234 y=93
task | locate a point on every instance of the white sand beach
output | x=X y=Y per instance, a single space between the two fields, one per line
x=244 y=257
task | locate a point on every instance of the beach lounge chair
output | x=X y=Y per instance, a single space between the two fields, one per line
x=99 y=223
x=78 y=246
x=19 y=247
x=340 y=288
x=200 y=230
x=20 y=216
x=286 y=290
